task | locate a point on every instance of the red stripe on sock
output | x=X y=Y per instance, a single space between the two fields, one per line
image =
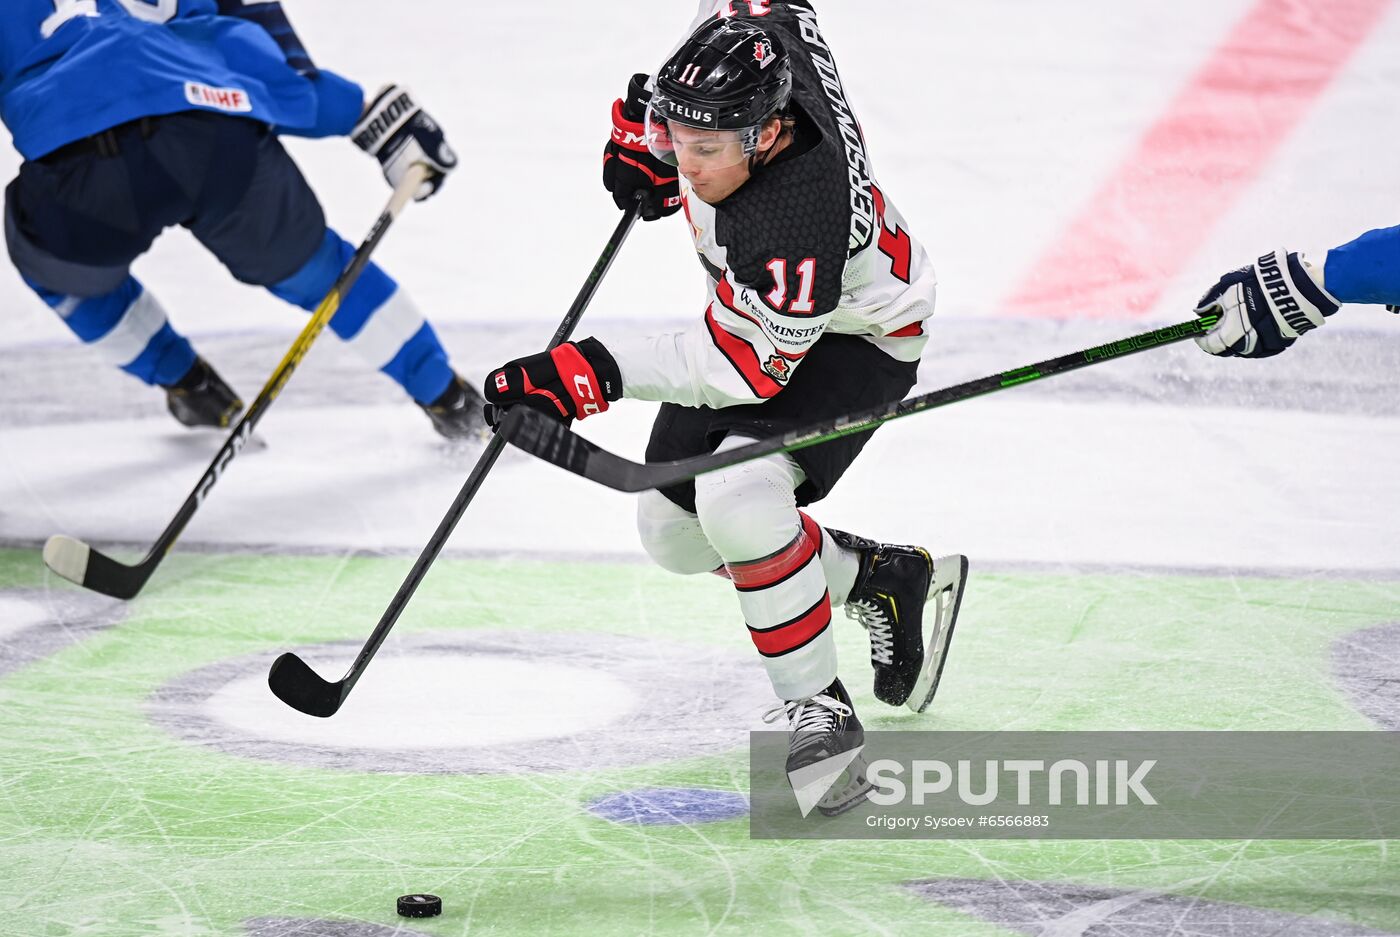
x=794 y=634
x=1146 y=221
x=760 y=574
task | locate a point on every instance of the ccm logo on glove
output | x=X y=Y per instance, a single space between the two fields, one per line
x=569 y=382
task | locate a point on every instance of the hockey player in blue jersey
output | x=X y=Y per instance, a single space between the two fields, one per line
x=137 y=115
x=1267 y=306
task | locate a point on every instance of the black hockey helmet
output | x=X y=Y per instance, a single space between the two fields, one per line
x=730 y=75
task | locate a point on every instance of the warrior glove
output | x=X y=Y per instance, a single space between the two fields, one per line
x=397 y=132
x=1265 y=307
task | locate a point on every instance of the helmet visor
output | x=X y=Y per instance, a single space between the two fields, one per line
x=696 y=149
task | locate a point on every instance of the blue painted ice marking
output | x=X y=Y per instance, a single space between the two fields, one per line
x=671 y=806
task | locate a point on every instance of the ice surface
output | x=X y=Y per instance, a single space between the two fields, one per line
x=16 y=614
x=1367 y=665
x=511 y=701
x=1047 y=909
x=481 y=702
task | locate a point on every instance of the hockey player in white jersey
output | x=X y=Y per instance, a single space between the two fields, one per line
x=817 y=306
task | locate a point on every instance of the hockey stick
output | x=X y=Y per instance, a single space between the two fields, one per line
x=290 y=678
x=90 y=568
x=553 y=442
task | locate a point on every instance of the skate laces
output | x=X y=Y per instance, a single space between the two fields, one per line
x=815 y=714
x=872 y=617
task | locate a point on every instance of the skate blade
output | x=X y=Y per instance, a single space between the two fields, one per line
x=849 y=791
x=945 y=600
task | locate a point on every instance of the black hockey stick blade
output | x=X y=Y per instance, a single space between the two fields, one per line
x=92 y=569
x=300 y=687
x=552 y=441
x=546 y=438
x=78 y=562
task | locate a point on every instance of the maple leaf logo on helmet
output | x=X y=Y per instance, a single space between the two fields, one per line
x=763 y=52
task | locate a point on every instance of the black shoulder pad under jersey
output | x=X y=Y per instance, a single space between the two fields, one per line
x=792 y=220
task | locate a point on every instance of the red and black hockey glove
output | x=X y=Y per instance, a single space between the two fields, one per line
x=573 y=381
x=629 y=167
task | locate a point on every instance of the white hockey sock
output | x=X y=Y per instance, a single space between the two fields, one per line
x=749 y=514
x=841 y=566
x=788 y=613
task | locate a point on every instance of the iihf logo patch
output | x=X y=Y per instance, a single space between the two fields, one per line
x=763 y=53
x=234 y=100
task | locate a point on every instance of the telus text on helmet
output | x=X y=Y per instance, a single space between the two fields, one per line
x=686 y=113
x=862 y=202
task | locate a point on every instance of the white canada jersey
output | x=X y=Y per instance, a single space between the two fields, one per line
x=810 y=243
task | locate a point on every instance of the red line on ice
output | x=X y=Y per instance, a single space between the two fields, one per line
x=1145 y=222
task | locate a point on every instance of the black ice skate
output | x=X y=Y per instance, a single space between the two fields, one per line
x=888 y=599
x=824 y=764
x=201 y=398
x=457 y=413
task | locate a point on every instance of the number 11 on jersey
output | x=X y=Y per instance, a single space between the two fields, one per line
x=807 y=275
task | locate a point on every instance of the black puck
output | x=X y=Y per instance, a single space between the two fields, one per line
x=420 y=905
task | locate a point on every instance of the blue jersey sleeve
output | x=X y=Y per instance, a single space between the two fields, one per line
x=271 y=17
x=1366 y=270
x=339 y=102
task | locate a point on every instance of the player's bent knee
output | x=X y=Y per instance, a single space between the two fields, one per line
x=672 y=536
x=749 y=510
x=46 y=273
x=309 y=285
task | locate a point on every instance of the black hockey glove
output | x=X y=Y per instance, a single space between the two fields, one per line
x=629 y=167
x=397 y=132
x=573 y=381
x=1264 y=308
